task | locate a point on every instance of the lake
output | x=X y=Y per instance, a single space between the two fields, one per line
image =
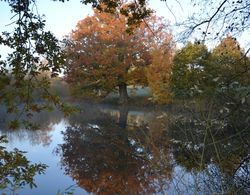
x=133 y=150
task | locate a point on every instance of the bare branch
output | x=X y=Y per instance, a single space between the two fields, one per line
x=211 y=18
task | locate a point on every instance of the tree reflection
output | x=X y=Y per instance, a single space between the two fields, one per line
x=44 y=121
x=214 y=151
x=105 y=157
x=116 y=151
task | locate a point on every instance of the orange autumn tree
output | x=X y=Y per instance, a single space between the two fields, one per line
x=103 y=58
x=159 y=71
x=229 y=63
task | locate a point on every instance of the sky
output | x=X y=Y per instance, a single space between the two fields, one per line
x=61 y=18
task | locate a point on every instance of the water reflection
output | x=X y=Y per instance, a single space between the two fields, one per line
x=44 y=120
x=108 y=156
x=124 y=150
x=216 y=155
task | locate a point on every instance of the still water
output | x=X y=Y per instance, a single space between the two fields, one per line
x=133 y=150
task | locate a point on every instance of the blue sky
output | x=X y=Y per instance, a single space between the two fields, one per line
x=61 y=18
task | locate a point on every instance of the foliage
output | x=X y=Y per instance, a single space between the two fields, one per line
x=229 y=63
x=58 y=86
x=159 y=72
x=33 y=50
x=31 y=45
x=188 y=70
x=15 y=170
x=229 y=74
x=212 y=128
x=199 y=73
x=99 y=62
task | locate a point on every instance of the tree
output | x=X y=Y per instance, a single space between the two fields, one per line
x=199 y=72
x=228 y=73
x=229 y=63
x=159 y=71
x=30 y=41
x=188 y=70
x=215 y=19
x=30 y=46
x=108 y=58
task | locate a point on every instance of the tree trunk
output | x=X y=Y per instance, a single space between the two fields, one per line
x=123 y=94
x=123 y=111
